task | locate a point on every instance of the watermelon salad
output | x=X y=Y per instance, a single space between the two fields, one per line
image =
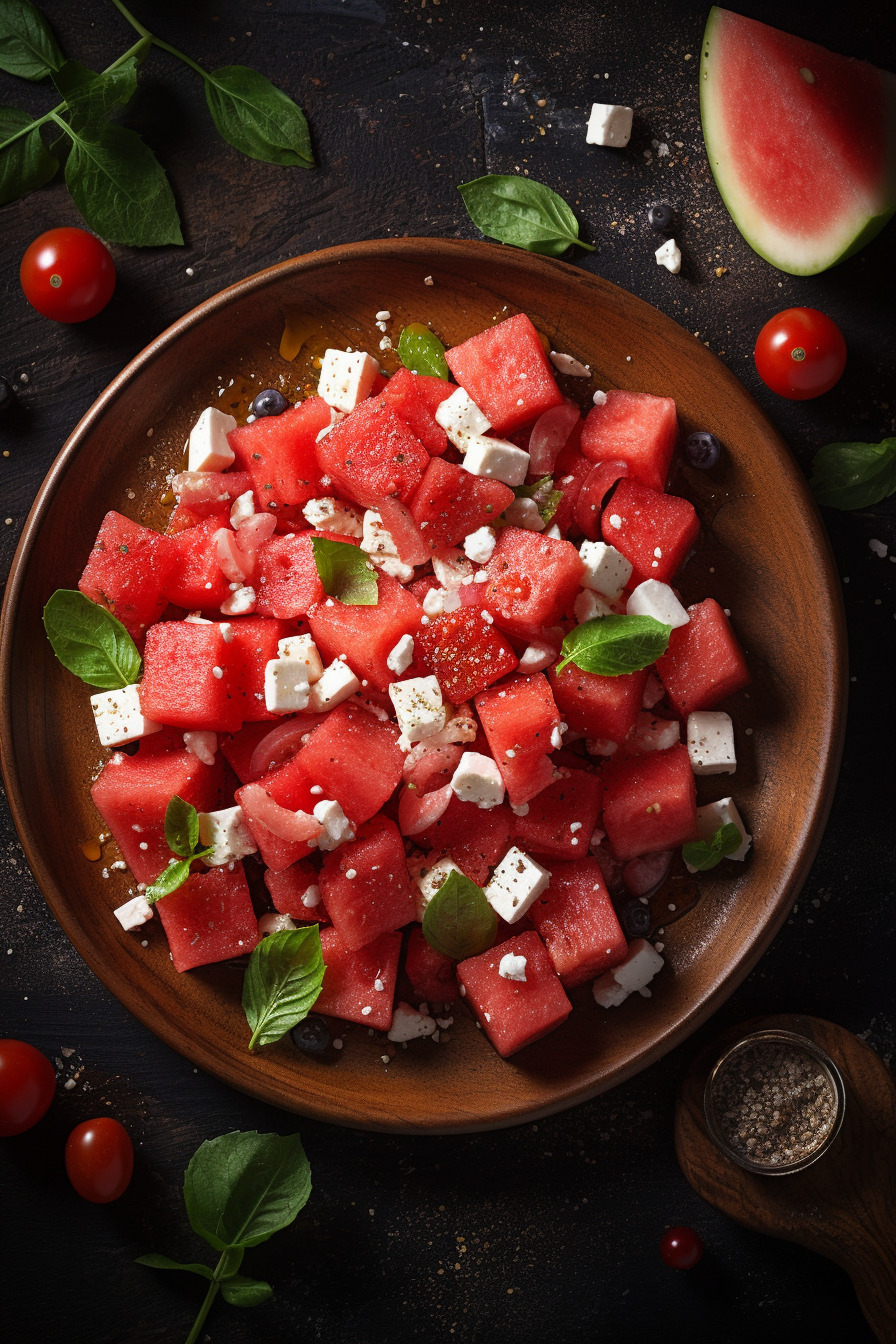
x=354 y=635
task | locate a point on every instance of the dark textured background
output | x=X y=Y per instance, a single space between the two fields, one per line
x=548 y=1229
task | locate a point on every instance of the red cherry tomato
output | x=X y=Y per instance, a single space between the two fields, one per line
x=99 y=1159
x=67 y=275
x=27 y=1086
x=800 y=353
x=681 y=1248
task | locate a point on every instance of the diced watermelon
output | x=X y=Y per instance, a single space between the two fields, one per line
x=290 y=788
x=636 y=428
x=570 y=470
x=349 y=990
x=182 y=518
x=514 y=1013
x=367 y=635
x=253 y=643
x=650 y=803
x=475 y=838
x=532 y=581
x=127 y=571
x=431 y=974
x=189 y=679
x=372 y=453
x=653 y=531
x=600 y=707
x=464 y=652
x=561 y=820
x=366 y=886
x=594 y=490
x=450 y=503
x=355 y=759
x=197 y=580
x=704 y=663
x=415 y=397
x=399 y=523
x=289 y=886
x=518 y=719
x=239 y=749
x=287 y=583
x=210 y=918
x=576 y=919
x=507 y=373
x=209 y=492
x=279 y=453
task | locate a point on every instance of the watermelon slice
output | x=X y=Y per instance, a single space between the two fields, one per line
x=801 y=142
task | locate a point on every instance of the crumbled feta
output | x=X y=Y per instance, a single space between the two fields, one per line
x=240 y=602
x=346 y=378
x=515 y=885
x=459 y=416
x=606 y=571
x=242 y=509
x=451 y=569
x=439 y=600
x=401 y=657
x=599 y=398
x=588 y=606
x=495 y=458
x=228 y=834
x=119 y=718
x=331 y=515
x=378 y=543
x=207 y=446
x=609 y=124
x=337 y=827
x=203 y=744
x=653 y=734
x=134 y=913
x=652 y=598
x=710 y=736
x=384 y=315
x=286 y=685
x=557 y=735
x=512 y=967
x=311 y=897
x=525 y=513
x=669 y=255
x=537 y=656
x=274 y=922
x=715 y=815
x=571 y=367
x=336 y=683
x=303 y=649
x=418 y=708
x=428 y=877
x=478 y=545
x=408 y=1024
x=601 y=746
x=478 y=780
x=654 y=690
x=633 y=974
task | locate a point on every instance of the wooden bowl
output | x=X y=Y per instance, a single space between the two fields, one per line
x=762 y=553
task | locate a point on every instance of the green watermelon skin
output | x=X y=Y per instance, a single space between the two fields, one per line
x=806 y=167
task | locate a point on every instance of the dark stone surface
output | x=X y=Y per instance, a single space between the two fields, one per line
x=547 y=1230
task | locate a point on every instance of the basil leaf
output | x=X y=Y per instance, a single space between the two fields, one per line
x=522 y=212
x=242 y=1292
x=92 y=97
x=241 y=1188
x=164 y=1262
x=458 y=921
x=91 y=642
x=27 y=45
x=181 y=827
x=550 y=506
x=256 y=118
x=345 y=572
x=168 y=880
x=545 y=496
x=120 y=188
x=611 y=646
x=854 y=475
x=703 y=856
x=26 y=164
x=422 y=352
x=282 y=982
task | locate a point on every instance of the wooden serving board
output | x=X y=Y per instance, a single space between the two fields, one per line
x=844 y=1205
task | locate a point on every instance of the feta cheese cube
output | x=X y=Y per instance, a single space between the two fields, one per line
x=207 y=446
x=439 y=600
x=652 y=598
x=336 y=684
x=512 y=967
x=337 y=827
x=459 y=416
x=428 y=877
x=378 y=543
x=303 y=649
x=242 y=509
x=478 y=780
x=286 y=685
x=588 y=606
x=418 y=709
x=515 y=885
x=669 y=255
x=401 y=657
x=711 y=743
x=537 y=656
x=134 y=913
x=346 y=378
x=723 y=813
x=408 y=1024
x=478 y=545
x=495 y=458
x=228 y=834
x=240 y=602
x=633 y=974
x=525 y=513
x=609 y=124
x=606 y=571
x=331 y=515
x=119 y=718
x=203 y=745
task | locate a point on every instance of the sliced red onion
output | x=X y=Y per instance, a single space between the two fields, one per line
x=280 y=821
x=549 y=434
x=230 y=559
x=282 y=743
x=418 y=811
x=252 y=535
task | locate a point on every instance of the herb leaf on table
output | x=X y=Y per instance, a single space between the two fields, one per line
x=256 y=118
x=523 y=212
x=282 y=982
x=27 y=45
x=611 y=646
x=27 y=164
x=854 y=475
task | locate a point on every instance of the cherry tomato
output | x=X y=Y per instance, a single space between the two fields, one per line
x=67 y=275
x=681 y=1247
x=27 y=1086
x=99 y=1159
x=800 y=353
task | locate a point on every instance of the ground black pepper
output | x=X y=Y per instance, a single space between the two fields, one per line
x=773 y=1103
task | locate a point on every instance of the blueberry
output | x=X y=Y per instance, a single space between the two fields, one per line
x=269 y=402
x=659 y=217
x=7 y=396
x=702 y=450
x=312 y=1035
x=636 y=919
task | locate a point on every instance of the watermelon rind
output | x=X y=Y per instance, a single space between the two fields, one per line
x=825 y=236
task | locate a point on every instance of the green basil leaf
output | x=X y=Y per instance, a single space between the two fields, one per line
x=282 y=982
x=727 y=839
x=421 y=351
x=242 y=1292
x=26 y=164
x=611 y=646
x=168 y=880
x=90 y=641
x=522 y=212
x=27 y=45
x=181 y=827
x=241 y=1188
x=164 y=1262
x=458 y=921
x=703 y=856
x=550 y=506
x=121 y=189
x=345 y=572
x=854 y=475
x=91 y=98
x=258 y=119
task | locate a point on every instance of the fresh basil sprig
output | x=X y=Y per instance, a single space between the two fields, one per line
x=182 y=835
x=612 y=646
x=421 y=351
x=854 y=475
x=523 y=212
x=458 y=921
x=239 y=1190
x=27 y=45
x=282 y=982
x=345 y=572
x=703 y=856
x=91 y=642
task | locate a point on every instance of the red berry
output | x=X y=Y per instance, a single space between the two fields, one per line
x=681 y=1248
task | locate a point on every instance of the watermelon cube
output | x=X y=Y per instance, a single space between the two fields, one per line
x=514 y=1013
x=475 y=838
x=295 y=891
x=356 y=760
x=519 y=719
x=576 y=919
x=366 y=886
x=532 y=581
x=208 y=493
x=450 y=503
x=595 y=488
x=561 y=820
x=280 y=454
x=253 y=643
x=197 y=581
x=636 y=428
x=650 y=803
x=367 y=634
x=189 y=677
x=704 y=662
x=431 y=973
x=372 y=453
x=652 y=530
x=210 y=918
x=507 y=373
x=127 y=571
x=359 y=983
x=601 y=707
x=287 y=583
x=415 y=397
x=464 y=652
